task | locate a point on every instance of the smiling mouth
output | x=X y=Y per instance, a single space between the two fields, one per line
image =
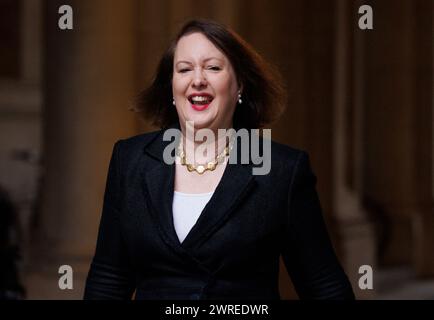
x=200 y=102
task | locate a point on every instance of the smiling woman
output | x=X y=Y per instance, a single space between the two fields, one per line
x=205 y=52
x=180 y=231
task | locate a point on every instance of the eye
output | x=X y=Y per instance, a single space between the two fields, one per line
x=214 y=68
x=184 y=70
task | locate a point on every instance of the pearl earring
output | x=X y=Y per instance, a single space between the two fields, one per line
x=173 y=101
x=240 y=101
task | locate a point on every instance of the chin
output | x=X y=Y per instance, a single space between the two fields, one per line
x=201 y=120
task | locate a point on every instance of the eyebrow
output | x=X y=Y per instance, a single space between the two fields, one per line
x=205 y=60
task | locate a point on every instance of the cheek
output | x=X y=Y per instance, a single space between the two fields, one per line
x=227 y=88
x=179 y=85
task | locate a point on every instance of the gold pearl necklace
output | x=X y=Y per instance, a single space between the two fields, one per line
x=211 y=165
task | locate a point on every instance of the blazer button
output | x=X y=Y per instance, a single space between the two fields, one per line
x=195 y=296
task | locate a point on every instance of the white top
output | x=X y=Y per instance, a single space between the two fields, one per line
x=187 y=208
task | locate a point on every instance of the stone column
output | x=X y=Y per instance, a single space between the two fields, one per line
x=398 y=144
x=423 y=178
x=356 y=237
x=20 y=115
x=91 y=76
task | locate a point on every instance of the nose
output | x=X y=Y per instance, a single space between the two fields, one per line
x=199 y=80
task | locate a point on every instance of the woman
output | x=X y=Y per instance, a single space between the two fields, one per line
x=204 y=227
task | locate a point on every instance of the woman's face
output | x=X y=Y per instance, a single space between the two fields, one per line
x=204 y=84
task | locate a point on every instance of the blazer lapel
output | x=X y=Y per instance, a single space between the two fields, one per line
x=158 y=180
x=234 y=185
x=159 y=183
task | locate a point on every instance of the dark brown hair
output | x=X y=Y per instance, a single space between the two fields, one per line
x=263 y=94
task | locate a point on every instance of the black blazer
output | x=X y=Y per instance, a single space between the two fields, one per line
x=233 y=250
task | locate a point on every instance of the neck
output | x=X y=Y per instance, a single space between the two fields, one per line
x=202 y=146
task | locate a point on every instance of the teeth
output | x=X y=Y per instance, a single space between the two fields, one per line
x=199 y=99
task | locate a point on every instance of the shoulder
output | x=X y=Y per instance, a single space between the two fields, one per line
x=138 y=141
x=285 y=152
x=286 y=155
x=290 y=161
x=132 y=148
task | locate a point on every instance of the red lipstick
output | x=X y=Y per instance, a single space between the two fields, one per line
x=206 y=100
x=199 y=107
